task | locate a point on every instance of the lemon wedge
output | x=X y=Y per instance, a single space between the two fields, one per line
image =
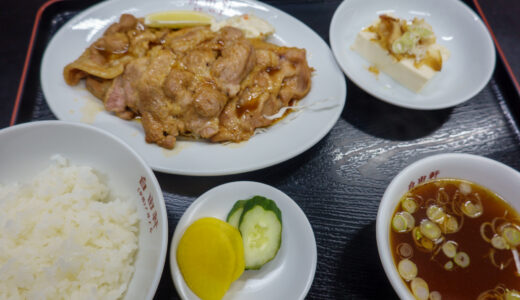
x=178 y=19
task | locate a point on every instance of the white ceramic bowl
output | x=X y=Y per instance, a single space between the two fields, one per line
x=288 y=276
x=27 y=148
x=486 y=172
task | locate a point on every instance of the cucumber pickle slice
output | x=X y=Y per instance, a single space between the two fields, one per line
x=261 y=227
x=235 y=213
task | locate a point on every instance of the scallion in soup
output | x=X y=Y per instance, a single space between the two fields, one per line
x=454 y=239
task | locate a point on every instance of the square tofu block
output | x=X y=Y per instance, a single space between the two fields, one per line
x=402 y=71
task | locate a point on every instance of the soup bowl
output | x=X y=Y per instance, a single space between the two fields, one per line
x=493 y=175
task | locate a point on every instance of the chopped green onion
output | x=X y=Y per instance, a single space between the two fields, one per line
x=417 y=234
x=409 y=205
x=407 y=269
x=448 y=266
x=420 y=288
x=450 y=225
x=427 y=244
x=512 y=295
x=405 y=250
x=435 y=213
x=442 y=196
x=420 y=240
x=464 y=188
x=399 y=223
x=421 y=31
x=499 y=242
x=450 y=249
x=405 y=43
x=483 y=231
x=403 y=222
x=435 y=296
x=410 y=220
x=512 y=236
x=462 y=259
x=472 y=210
x=430 y=230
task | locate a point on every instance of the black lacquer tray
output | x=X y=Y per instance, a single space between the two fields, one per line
x=339 y=182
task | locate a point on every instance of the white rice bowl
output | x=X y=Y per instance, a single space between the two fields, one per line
x=88 y=224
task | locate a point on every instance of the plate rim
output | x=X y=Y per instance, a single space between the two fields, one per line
x=315 y=139
x=199 y=202
x=334 y=45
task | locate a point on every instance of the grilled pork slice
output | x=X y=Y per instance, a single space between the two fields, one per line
x=191 y=82
x=281 y=75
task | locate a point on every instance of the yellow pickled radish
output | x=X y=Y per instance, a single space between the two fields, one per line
x=236 y=240
x=207 y=260
x=177 y=19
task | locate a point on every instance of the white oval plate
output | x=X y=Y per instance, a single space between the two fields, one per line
x=456 y=27
x=288 y=276
x=280 y=142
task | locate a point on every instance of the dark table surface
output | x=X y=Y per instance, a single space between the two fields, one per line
x=339 y=182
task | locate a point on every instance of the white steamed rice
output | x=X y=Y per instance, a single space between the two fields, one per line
x=62 y=236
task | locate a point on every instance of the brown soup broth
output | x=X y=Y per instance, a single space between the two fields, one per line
x=480 y=275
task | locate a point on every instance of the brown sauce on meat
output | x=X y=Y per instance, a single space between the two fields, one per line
x=272 y=71
x=110 y=56
x=293 y=102
x=185 y=82
x=490 y=271
x=250 y=105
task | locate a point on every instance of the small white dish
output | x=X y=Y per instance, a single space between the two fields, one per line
x=456 y=27
x=290 y=137
x=27 y=149
x=497 y=177
x=288 y=276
